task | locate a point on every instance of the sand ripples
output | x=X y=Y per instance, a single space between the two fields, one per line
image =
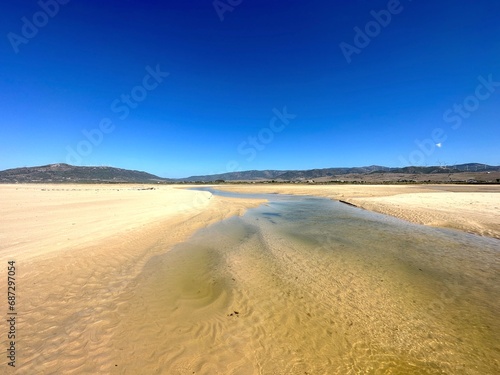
x=260 y=296
x=291 y=288
x=263 y=295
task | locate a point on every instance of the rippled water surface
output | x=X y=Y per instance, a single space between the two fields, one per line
x=305 y=285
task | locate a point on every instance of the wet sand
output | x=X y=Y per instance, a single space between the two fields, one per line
x=101 y=291
x=316 y=287
x=469 y=208
x=76 y=248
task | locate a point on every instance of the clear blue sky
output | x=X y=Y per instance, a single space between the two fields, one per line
x=72 y=66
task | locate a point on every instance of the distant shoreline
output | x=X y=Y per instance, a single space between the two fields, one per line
x=252 y=183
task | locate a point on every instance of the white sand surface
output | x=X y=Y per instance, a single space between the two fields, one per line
x=76 y=248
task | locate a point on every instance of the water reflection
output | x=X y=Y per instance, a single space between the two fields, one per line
x=325 y=288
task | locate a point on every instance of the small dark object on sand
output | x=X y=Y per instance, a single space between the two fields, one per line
x=350 y=204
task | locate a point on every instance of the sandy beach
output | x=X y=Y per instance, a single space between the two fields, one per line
x=469 y=208
x=76 y=247
x=79 y=247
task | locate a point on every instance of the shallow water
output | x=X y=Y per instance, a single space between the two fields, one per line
x=305 y=285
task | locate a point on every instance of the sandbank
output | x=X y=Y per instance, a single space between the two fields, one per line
x=79 y=248
x=76 y=248
x=470 y=208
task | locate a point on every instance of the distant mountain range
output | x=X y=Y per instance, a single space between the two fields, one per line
x=293 y=175
x=70 y=173
x=77 y=174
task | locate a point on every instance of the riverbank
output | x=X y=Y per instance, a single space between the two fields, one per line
x=91 y=269
x=469 y=208
x=76 y=247
x=321 y=286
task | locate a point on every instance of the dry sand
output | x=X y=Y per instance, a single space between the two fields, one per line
x=470 y=208
x=38 y=220
x=78 y=247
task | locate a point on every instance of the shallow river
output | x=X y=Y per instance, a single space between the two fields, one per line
x=305 y=285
